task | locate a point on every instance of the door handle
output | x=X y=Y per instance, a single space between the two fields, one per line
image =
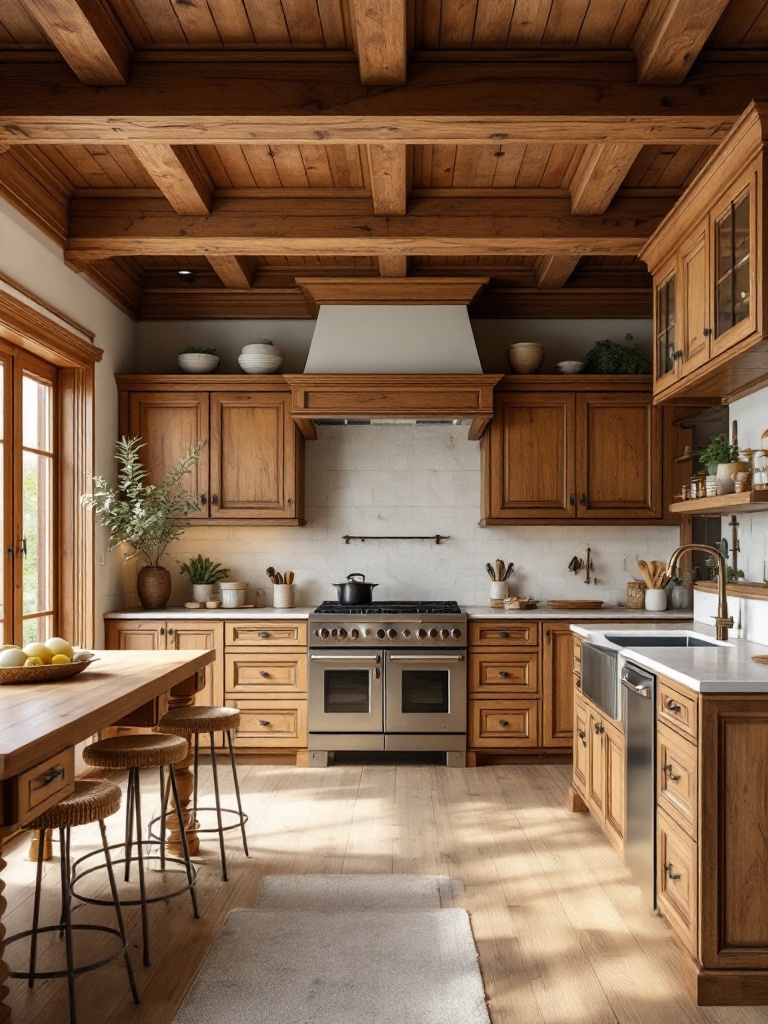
x=214 y=499
x=599 y=729
x=668 y=869
x=503 y=723
x=672 y=705
x=203 y=500
x=264 y=721
x=264 y=675
x=345 y=657
x=427 y=657
x=672 y=776
x=571 y=500
x=503 y=674
x=582 y=499
x=23 y=547
x=583 y=737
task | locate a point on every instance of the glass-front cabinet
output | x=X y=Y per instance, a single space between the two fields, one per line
x=733 y=261
x=665 y=332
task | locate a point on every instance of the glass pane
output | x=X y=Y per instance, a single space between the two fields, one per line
x=741 y=229
x=36 y=414
x=425 y=691
x=724 y=237
x=37 y=525
x=724 y=306
x=741 y=292
x=347 y=691
x=37 y=630
x=671 y=302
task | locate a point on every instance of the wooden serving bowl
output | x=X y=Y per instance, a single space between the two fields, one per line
x=44 y=673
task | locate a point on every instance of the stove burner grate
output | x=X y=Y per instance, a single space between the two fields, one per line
x=390 y=608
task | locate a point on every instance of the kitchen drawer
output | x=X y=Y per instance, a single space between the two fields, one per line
x=44 y=785
x=262 y=672
x=503 y=723
x=491 y=675
x=677 y=779
x=503 y=634
x=581 y=723
x=266 y=633
x=677 y=708
x=271 y=723
x=677 y=880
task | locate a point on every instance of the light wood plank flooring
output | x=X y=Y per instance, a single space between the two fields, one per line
x=562 y=933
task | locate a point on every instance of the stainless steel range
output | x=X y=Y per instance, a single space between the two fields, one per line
x=388 y=676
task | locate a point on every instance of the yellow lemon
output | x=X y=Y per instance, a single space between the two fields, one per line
x=61 y=659
x=58 y=646
x=12 y=658
x=38 y=651
x=32 y=663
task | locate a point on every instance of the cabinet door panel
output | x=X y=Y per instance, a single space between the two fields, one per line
x=183 y=635
x=141 y=635
x=532 y=458
x=736 y=269
x=249 y=435
x=558 y=687
x=491 y=675
x=580 y=746
x=665 y=350
x=595 y=765
x=677 y=880
x=696 y=314
x=619 y=470
x=614 y=787
x=170 y=424
x=503 y=723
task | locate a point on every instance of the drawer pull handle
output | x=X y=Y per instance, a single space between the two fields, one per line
x=503 y=634
x=264 y=675
x=263 y=634
x=52 y=774
x=670 y=773
x=503 y=673
x=263 y=721
x=668 y=869
x=672 y=705
x=503 y=723
x=583 y=737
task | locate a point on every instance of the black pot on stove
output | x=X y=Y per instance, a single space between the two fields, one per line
x=355 y=590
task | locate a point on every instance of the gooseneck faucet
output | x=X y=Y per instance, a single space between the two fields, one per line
x=723 y=622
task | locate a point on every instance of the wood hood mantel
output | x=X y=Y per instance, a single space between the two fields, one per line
x=425 y=396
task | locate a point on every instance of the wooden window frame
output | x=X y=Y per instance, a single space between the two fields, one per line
x=40 y=331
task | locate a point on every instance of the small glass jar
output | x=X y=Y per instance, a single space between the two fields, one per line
x=695 y=488
x=711 y=486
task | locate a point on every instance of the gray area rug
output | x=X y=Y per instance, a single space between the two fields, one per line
x=358 y=892
x=342 y=966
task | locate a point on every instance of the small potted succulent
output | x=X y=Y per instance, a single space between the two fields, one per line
x=198 y=360
x=204 y=575
x=721 y=459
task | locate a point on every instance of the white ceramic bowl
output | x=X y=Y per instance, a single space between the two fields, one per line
x=525 y=357
x=570 y=366
x=198 y=362
x=256 y=363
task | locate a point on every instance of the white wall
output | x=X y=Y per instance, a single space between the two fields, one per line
x=34 y=262
x=751 y=415
x=159 y=342
x=402 y=479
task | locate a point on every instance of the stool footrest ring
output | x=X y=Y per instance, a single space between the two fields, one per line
x=93 y=901
x=83 y=968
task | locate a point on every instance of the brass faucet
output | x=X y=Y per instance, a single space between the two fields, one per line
x=723 y=621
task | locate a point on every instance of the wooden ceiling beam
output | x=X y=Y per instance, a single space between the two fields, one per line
x=380 y=31
x=102 y=228
x=554 y=271
x=87 y=35
x=599 y=176
x=393 y=266
x=389 y=179
x=233 y=271
x=670 y=36
x=449 y=102
x=180 y=175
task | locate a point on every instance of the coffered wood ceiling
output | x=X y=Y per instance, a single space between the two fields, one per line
x=534 y=144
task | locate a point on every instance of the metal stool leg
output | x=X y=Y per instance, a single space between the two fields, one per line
x=237 y=790
x=196 y=769
x=142 y=886
x=36 y=913
x=129 y=826
x=184 y=843
x=118 y=910
x=68 y=928
x=218 y=808
x=163 y=806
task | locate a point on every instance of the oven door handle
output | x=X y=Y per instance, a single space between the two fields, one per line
x=345 y=657
x=426 y=657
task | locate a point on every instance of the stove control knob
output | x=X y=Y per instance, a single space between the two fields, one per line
x=421 y=634
x=353 y=634
x=433 y=634
x=406 y=633
x=322 y=633
x=444 y=634
x=392 y=634
x=455 y=633
x=334 y=633
x=380 y=634
x=366 y=632
x=342 y=633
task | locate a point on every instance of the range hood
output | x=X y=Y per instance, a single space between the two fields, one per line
x=375 y=359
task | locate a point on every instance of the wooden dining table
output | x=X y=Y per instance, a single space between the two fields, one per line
x=41 y=724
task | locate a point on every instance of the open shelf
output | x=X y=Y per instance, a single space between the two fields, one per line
x=723 y=504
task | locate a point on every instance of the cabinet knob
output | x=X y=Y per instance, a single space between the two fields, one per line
x=670 y=773
x=571 y=500
x=57 y=772
x=503 y=723
x=162 y=631
x=263 y=634
x=672 y=705
x=263 y=721
x=668 y=869
x=599 y=728
x=503 y=634
x=678 y=354
x=170 y=631
x=503 y=673
x=264 y=675
x=707 y=331
x=583 y=737
x=214 y=499
x=203 y=500
x=582 y=499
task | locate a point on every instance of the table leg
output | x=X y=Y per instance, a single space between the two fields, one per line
x=5 y=1010
x=185 y=783
x=47 y=838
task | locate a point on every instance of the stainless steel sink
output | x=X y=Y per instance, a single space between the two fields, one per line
x=658 y=640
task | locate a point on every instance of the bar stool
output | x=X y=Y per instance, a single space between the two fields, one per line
x=91 y=801
x=194 y=721
x=134 y=753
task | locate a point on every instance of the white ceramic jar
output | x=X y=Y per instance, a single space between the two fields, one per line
x=283 y=595
x=655 y=600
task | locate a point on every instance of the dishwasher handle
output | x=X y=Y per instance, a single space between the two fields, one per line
x=642 y=689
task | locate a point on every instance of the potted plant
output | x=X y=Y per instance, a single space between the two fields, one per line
x=146 y=516
x=609 y=357
x=198 y=360
x=721 y=459
x=204 y=575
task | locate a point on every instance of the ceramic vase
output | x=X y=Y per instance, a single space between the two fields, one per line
x=525 y=357
x=499 y=590
x=283 y=595
x=655 y=600
x=202 y=591
x=153 y=585
x=725 y=476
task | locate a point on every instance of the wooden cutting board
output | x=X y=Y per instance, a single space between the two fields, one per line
x=761 y=658
x=574 y=605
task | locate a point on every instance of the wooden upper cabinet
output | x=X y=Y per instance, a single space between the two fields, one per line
x=252 y=455
x=666 y=352
x=697 y=325
x=170 y=424
x=733 y=226
x=619 y=456
x=529 y=461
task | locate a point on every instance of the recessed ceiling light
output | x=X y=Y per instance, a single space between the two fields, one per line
x=186 y=275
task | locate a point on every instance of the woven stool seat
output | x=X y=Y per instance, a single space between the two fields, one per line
x=183 y=721
x=90 y=802
x=136 y=752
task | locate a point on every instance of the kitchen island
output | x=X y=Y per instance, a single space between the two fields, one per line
x=40 y=725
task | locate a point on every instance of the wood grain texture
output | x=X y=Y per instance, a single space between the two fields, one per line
x=389 y=185
x=412 y=290
x=88 y=36
x=558 y=689
x=554 y=271
x=180 y=175
x=599 y=175
x=393 y=266
x=670 y=37
x=381 y=40
x=234 y=271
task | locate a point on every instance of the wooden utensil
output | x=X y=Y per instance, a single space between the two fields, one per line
x=645 y=572
x=499 y=569
x=489 y=570
x=289 y=577
x=510 y=570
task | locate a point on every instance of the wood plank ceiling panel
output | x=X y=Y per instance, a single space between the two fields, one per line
x=666 y=166
x=18 y=29
x=160 y=21
x=742 y=25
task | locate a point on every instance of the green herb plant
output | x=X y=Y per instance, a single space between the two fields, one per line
x=609 y=357
x=718 y=452
x=146 y=516
x=203 y=570
x=203 y=351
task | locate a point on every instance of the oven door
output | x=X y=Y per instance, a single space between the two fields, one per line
x=426 y=692
x=345 y=692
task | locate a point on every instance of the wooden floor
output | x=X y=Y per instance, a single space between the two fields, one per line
x=562 y=933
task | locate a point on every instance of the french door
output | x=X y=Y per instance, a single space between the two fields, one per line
x=28 y=451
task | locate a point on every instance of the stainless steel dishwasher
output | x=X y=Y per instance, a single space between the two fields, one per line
x=639 y=704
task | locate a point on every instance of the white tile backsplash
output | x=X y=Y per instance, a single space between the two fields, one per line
x=405 y=479
x=751 y=415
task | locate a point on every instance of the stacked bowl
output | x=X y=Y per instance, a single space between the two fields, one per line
x=260 y=357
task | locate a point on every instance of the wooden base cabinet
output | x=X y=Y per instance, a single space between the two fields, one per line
x=598 y=769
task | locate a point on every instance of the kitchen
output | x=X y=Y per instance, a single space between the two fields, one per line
x=461 y=328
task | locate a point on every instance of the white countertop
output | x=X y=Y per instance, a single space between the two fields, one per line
x=721 y=669
x=212 y=613
x=478 y=611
